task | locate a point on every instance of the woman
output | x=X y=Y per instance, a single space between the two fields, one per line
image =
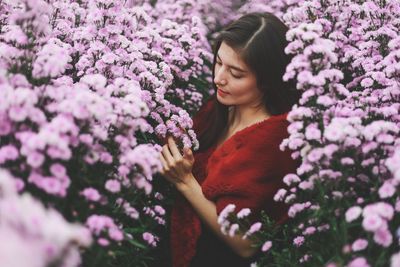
x=239 y=131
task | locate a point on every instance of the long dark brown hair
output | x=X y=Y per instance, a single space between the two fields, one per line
x=260 y=39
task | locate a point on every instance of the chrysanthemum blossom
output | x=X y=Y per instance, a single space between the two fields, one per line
x=353 y=213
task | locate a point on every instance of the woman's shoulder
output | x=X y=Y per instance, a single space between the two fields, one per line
x=257 y=140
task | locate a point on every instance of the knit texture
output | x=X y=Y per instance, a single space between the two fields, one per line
x=246 y=170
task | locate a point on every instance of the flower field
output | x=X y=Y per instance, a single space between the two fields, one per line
x=90 y=89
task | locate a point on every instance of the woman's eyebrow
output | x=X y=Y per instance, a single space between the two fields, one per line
x=232 y=67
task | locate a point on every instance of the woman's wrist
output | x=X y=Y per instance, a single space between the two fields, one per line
x=189 y=187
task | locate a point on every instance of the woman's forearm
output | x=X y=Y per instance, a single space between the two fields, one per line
x=207 y=212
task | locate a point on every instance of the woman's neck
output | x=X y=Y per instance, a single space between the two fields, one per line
x=241 y=117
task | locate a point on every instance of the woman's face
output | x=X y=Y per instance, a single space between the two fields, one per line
x=236 y=83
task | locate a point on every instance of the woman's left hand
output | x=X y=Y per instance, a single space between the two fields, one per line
x=177 y=168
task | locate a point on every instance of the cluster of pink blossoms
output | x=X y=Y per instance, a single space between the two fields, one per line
x=345 y=130
x=32 y=235
x=346 y=126
x=88 y=92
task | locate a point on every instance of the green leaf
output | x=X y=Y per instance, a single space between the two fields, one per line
x=137 y=244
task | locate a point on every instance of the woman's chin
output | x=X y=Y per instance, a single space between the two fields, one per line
x=223 y=100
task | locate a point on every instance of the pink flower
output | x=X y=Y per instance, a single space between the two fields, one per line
x=103 y=242
x=91 y=194
x=150 y=239
x=309 y=230
x=386 y=190
x=347 y=161
x=160 y=210
x=306 y=185
x=395 y=260
x=315 y=155
x=113 y=186
x=383 y=237
x=382 y=209
x=372 y=222
x=52 y=186
x=267 y=245
x=115 y=234
x=255 y=227
x=305 y=258
x=353 y=213
x=290 y=179
x=58 y=170
x=18 y=114
x=358 y=262
x=35 y=159
x=233 y=229
x=279 y=196
x=225 y=213
x=312 y=133
x=298 y=241
x=367 y=82
x=346 y=249
x=5 y=126
x=330 y=149
x=109 y=58
x=359 y=244
x=243 y=213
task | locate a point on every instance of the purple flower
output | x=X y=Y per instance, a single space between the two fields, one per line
x=312 y=133
x=223 y=215
x=150 y=239
x=289 y=179
x=279 y=196
x=233 y=230
x=91 y=194
x=58 y=170
x=358 y=262
x=267 y=245
x=367 y=82
x=353 y=213
x=383 y=237
x=372 y=222
x=386 y=190
x=298 y=241
x=115 y=234
x=395 y=260
x=309 y=230
x=359 y=244
x=103 y=242
x=255 y=227
x=113 y=186
x=35 y=159
x=160 y=210
x=243 y=213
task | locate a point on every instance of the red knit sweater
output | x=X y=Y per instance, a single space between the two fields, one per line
x=246 y=170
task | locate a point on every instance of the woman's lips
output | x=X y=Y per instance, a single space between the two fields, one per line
x=222 y=92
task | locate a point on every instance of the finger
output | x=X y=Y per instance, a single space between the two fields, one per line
x=174 y=149
x=167 y=156
x=164 y=164
x=166 y=171
x=188 y=154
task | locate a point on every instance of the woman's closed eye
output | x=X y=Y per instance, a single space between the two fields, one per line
x=235 y=76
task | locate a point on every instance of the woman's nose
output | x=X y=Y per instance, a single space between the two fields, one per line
x=219 y=78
